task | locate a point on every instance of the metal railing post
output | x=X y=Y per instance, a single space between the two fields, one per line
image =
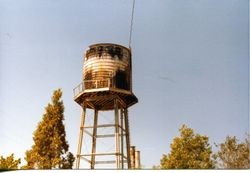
x=93 y=84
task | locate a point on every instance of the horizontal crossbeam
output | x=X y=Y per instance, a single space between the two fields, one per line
x=100 y=154
x=104 y=126
x=105 y=162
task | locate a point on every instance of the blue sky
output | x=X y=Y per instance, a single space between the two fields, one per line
x=190 y=66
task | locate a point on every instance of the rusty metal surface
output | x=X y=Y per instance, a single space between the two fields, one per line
x=107 y=73
x=132 y=157
x=104 y=62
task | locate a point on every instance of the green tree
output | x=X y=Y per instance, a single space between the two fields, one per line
x=232 y=154
x=68 y=161
x=9 y=162
x=188 y=151
x=50 y=148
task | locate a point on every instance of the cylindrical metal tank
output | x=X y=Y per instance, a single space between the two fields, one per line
x=107 y=65
x=132 y=157
x=137 y=160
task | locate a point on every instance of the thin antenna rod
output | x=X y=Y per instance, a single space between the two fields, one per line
x=131 y=24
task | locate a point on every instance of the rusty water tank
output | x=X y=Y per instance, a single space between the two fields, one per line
x=107 y=65
x=107 y=74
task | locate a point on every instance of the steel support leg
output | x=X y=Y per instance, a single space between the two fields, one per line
x=79 y=148
x=127 y=137
x=122 y=146
x=92 y=166
x=117 y=134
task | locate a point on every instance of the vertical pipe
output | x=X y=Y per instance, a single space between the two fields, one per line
x=92 y=166
x=132 y=157
x=127 y=137
x=117 y=141
x=137 y=160
x=79 y=148
x=122 y=147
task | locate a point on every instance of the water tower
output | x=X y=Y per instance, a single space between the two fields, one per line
x=106 y=87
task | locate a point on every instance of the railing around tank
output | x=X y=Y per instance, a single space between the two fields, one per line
x=92 y=84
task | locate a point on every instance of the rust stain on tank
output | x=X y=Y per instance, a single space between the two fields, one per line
x=105 y=62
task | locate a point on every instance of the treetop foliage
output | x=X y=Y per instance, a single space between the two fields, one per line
x=50 y=149
x=232 y=154
x=188 y=151
x=9 y=162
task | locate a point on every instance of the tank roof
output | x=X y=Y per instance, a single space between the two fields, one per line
x=111 y=44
